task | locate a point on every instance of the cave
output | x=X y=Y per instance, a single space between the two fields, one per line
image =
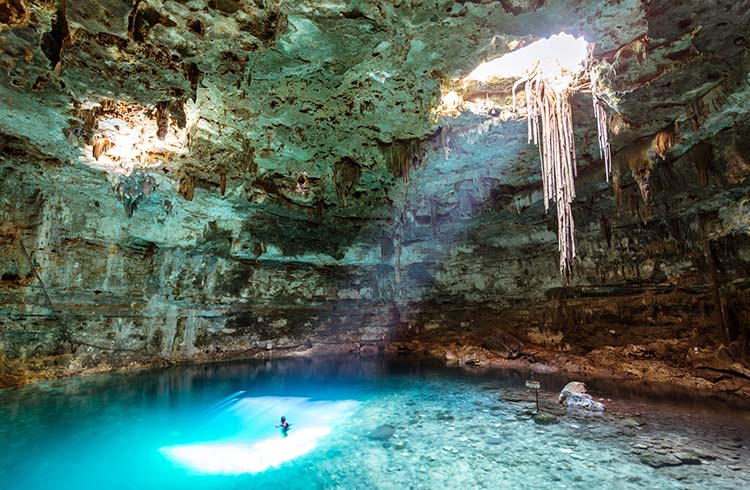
x=453 y=244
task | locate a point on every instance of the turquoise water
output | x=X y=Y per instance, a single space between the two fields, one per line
x=357 y=423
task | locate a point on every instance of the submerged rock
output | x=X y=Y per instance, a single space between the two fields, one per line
x=516 y=397
x=382 y=432
x=545 y=418
x=445 y=416
x=632 y=423
x=575 y=396
x=688 y=458
x=660 y=460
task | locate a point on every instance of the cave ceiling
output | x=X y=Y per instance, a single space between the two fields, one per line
x=309 y=130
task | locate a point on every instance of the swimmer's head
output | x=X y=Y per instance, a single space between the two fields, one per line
x=283 y=419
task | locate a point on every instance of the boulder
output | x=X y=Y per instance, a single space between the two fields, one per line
x=575 y=396
x=471 y=355
x=450 y=357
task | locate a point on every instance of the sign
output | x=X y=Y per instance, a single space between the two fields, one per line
x=534 y=385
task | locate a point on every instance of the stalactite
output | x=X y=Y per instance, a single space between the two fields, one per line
x=133 y=189
x=664 y=141
x=177 y=111
x=639 y=158
x=259 y=249
x=150 y=251
x=100 y=146
x=222 y=182
x=642 y=177
x=247 y=159
x=162 y=119
x=444 y=140
x=701 y=155
x=58 y=39
x=187 y=186
x=402 y=156
x=346 y=175
x=266 y=152
x=699 y=110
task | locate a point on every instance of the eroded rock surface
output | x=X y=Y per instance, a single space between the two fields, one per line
x=301 y=187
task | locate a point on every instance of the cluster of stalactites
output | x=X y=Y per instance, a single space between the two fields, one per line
x=402 y=156
x=134 y=189
x=550 y=126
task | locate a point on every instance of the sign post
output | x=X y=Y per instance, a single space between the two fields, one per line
x=534 y=385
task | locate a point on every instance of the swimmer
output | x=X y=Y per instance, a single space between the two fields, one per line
x=284 y=426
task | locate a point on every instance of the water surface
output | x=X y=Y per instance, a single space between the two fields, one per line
x=357 y=423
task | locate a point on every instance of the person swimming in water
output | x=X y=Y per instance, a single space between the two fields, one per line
x=284 y=426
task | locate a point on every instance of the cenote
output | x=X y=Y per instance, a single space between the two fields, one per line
x=357 y=423
x=393 y=223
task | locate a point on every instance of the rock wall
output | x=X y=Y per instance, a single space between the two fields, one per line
x=474 y=263
x=209 y=180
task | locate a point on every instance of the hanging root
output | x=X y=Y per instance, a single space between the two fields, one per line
x=602 y=126
x=554 y=136
x=550 y=126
